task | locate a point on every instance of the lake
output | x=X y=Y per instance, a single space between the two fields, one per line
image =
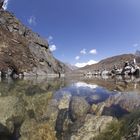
x=72 y=108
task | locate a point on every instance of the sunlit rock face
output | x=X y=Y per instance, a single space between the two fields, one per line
x=24 y=51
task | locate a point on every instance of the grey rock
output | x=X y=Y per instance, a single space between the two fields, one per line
x=92 y=126
x=12 y=111
x=128 y=101
x=119 y=105
x=78 y=107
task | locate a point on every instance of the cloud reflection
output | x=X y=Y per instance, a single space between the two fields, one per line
x=82 y=84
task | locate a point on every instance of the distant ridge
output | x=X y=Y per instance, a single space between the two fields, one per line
x=71 y=67
x=109 y=63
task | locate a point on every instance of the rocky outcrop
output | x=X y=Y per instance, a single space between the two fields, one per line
x=23 y=51
x=78 y=107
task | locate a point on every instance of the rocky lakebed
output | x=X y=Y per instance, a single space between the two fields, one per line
x=70 y=109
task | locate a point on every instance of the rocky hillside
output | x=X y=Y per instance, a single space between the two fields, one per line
x=109 y=63
x=71 y=67
x=24 y=51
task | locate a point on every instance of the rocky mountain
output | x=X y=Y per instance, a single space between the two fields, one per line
x=71 y=67
x=109 y=63
x=23 y=51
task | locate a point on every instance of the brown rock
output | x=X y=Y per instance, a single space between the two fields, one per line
x=21 y=49
x=78 y=107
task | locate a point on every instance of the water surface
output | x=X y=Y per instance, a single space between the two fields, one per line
x=47 y=101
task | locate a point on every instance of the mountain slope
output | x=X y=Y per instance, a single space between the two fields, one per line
x=71 y=67
x=109 y=63
x=23 y=50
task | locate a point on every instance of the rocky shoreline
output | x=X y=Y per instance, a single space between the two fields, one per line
x=36 y=111
x=129 y=68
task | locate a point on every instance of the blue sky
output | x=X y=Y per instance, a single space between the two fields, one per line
x=81 y=31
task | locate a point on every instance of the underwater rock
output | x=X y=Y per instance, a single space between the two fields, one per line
x=64 y=101
x=91 y=127
x=31 y=130
x=78 y=107
x=12 y=112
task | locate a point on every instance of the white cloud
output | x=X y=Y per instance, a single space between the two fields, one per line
x=83 y=51
x=77 y=57
x=136 y=45
x=32 y=20
x=5 y=5
x=50 y=38
x=93 y=51
x=52 y=48
x=90 y=62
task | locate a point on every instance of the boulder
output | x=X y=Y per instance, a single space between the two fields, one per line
x=64 y=101
x=78 y=107
x=12 y=114
x=129 y=101
x=51 y=113
x=91 y=127
x=117 y=105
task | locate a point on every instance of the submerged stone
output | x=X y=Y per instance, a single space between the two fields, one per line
x=91 y=127
x=78 y=107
